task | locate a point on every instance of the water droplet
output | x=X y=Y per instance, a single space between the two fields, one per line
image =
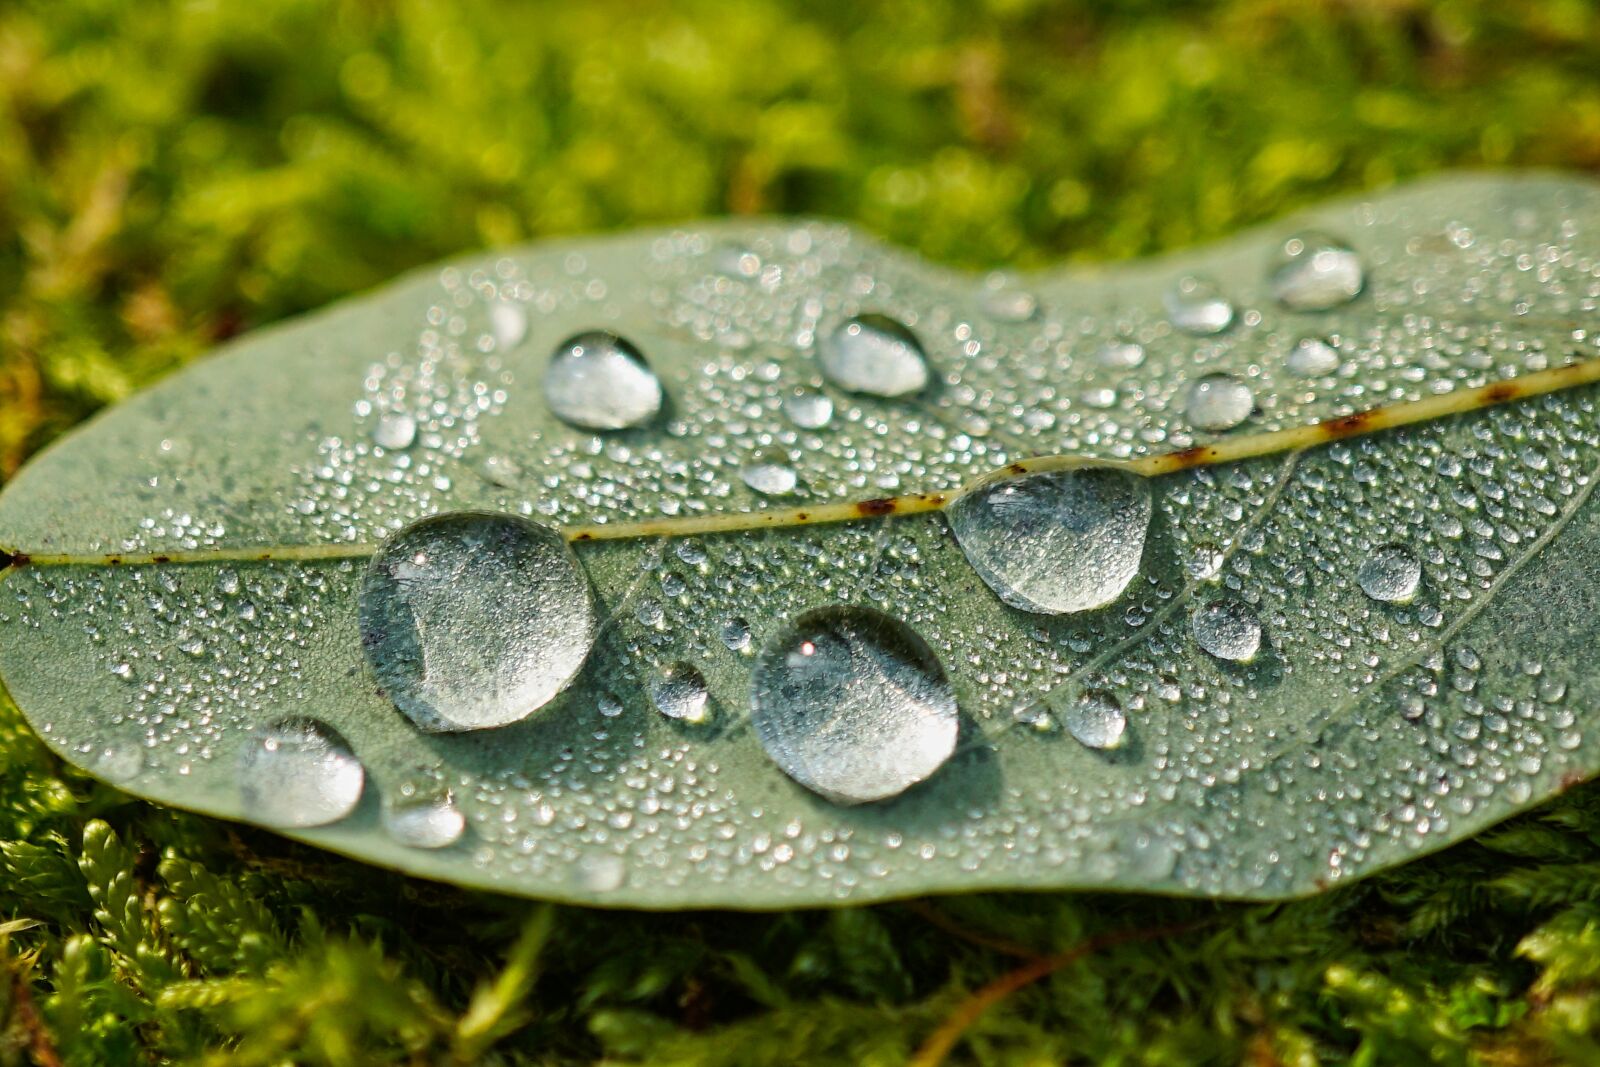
x=598 y=381
x=1196 y=306
x=1227 y=629
x=500 y=470
x=473 y=620
x=874 y=354
x=1010 y=304
x=395 y=431
x=117 y=763
x=600 y=873
x=1056 y=542
x=424 y=822
x=1315 y=272
x=736 y=634
x=299 y=773
x=1218 y=402
x=808 y=409
x=679 y=692
x=510 y=325
x=1312 y=357
x=1095 y=718
x=1391 y=574
x=853 y=704
x=768 y=472
x=1100 y=398
x=1120 y=355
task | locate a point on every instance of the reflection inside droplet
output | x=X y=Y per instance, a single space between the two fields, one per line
x=1315 y=272
x=299 y=773
x=874 y=354
x=598 y=381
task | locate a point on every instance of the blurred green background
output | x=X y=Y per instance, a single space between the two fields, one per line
x=174 y=173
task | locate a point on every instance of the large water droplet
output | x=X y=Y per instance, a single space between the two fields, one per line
x=424 y=822
x=1096 y=719
x=808 y=409
x=1315 y=272
x=1218 y=402
x=1056 y=542
x=1227 y=629
x=769 y=473
x=853 y=705
x=874 y=354
x=297 y=773
x=1312 y=357
x=679 y=692
x=395 y=431
x=1196 y=306
x=1391 y=574
x=472 y=620
x=598 y=381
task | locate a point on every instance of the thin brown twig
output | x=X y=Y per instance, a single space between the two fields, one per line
x=944 y=1038
x=40 y=1044
x=934 y=917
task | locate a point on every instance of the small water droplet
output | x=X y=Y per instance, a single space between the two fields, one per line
x=1010 y=304
x=598 y=381
x=1218 y=402
x=395 y=431
x=736 y=634
x=768 y=472
x=679 y=692
x=1391 y=574
x=1056 y=542
x=500 y=470
x=510 y=325
x=1096 y=719
x=808 y=409
x=874 y=354
x=1196 y=306
x=600 y=873
x=1120 y=355
x=1227 y=629
x=298 y=773
x=1315 y=272
x=473 y=620
x=1312 y=357
x=853 y=704
x=424 y=822
x=1101 y=398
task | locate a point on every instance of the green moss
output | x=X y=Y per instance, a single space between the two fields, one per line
x=174 y=173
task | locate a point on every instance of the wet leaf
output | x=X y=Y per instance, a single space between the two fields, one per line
x=1300 y=667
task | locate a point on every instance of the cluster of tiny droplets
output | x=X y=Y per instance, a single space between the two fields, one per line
x=1273 y=548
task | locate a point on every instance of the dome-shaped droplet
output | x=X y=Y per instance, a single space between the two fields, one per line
x=510 y=325
x=853 y=705
x=1096 y=719
x=679 y=692
x=735 y=632
x=1227 y=629
x=1120 y=355
x=1196 y=306
x=1009 y=303
x=808 y=409
x=874 y=354
x=1391 y=574
x=1056 y=542
x=770 y=473
x=472 y=620
x=598 y=381
x=1312 y=357
x=1315 y=272
x=395 y=431
x=1218 y=402
x=424 y=822
x=298 y=773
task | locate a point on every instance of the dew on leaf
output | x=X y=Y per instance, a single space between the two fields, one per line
x=853 y=704
x=424 y=822
x=876 y=355
x=473 y=620
x=299 y=773
x=1196 y=306
x=1227 y=630
x=1058 y=541
x=1008 y=303
x=1312 y=357
x=1218 y=402
x=598 y=381
x=1390 y=574
x=679 y=692
x=1120 y=355
x=1315 y=272
x=735 y=633
x=1095 y=718
x=510 y=325
x=395 y=431
x=808 y=409
x=770 y=473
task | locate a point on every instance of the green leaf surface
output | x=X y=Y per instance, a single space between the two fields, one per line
x=1364 y=731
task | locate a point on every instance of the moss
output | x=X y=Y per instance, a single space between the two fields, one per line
x=174 y=173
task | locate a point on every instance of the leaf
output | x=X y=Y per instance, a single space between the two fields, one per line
x=1421 y=602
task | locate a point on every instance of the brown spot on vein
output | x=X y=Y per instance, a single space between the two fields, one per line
x=1191 y=457
x=883 y=505
x=13 y=559
x=1349 y=424
x=1500 y=392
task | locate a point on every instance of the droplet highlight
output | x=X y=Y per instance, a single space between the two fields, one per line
x=473 y=620
x=853 y=704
